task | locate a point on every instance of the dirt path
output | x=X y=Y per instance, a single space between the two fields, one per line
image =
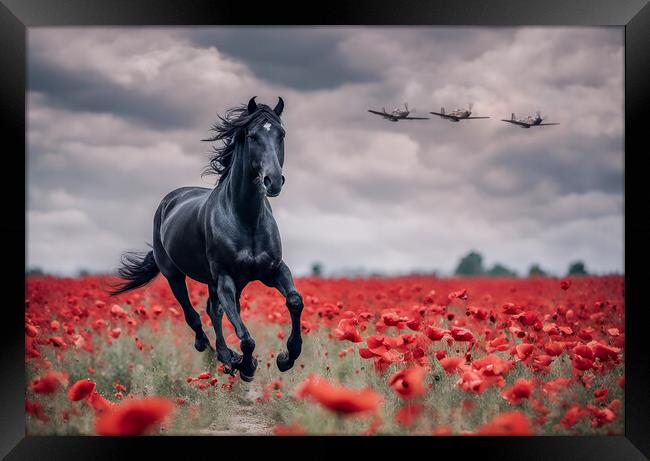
x=246 y=421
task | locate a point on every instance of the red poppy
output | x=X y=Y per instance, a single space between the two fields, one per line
x=337 y=398
x=601 y=394
x=117 y=311
x=435 y=333
x=498 y=344
x=461 y=334
x=48 y=383
x=57 y=341
x=512 y=423
x=600 y=416
x=524 y=350
x=31 y=330
x=542 y=360
x=440 y=353
x=98 y=402
x=409 y=382
x=554 y=348
x=574 y=414
x=413 y=325
x=409 y=414
x=366 y=353
x=493 y=365
x=204 y=375
x=81 y=389
x=603 y=352
x=36 y=409
x=581 y=363
x=459 y=294
x=583 y=351
x=472 y=381
x=346 y=330
x=450 y=364
x=133 y=417
x=521 y=389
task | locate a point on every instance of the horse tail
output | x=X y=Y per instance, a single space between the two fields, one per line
x=137 y=270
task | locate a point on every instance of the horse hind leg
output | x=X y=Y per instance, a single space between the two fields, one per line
x=177 y=284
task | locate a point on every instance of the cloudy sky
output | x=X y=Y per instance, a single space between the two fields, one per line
x=115 y=118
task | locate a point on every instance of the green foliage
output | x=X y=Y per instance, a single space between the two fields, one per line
x=317 y=269
x=577 y=268
x=470 y=265
x=499 y=270
x=536 y=271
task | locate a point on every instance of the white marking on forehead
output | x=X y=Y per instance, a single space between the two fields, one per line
x=267 y=126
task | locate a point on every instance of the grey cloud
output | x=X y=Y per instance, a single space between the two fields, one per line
x=87 y=92
x=305 y=59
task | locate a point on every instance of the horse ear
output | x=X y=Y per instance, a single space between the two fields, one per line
x=279 y=107
x=252 y=105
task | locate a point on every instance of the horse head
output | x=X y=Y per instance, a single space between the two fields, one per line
x=265 y=145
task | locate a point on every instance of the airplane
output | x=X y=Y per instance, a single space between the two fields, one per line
x=397 y=114
x=528 y=121
x=456 y=115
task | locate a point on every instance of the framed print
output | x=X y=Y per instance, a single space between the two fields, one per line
x=395 y=219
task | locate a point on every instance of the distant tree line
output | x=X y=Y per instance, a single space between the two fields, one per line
x=471 y=265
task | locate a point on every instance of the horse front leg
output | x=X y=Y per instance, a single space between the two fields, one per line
x=226 y=292
x=227 y=356
x=282 y=280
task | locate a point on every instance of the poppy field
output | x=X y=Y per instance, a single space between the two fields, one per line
x=406 y=355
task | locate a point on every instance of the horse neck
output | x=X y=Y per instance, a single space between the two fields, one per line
x=245 y=196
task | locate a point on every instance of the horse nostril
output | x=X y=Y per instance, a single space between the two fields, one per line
x=283 y=180
x=267 y=182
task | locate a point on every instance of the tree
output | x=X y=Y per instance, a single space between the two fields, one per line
x=499 y=270
x=35 y=271
x=470 y=265
x=317 y=270
x=536 y=271
x=577 y=268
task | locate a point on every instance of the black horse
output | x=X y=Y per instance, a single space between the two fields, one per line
x=226 y=237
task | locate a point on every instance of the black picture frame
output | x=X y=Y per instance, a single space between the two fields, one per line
x=18 y=15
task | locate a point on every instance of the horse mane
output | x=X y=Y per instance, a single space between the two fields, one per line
x=229 y=130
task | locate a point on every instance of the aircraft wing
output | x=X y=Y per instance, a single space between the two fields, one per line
x=415 y=118
x=546 y=124
x=383 y=114
x=444 y=115
x=515 y=122
x=471 y=118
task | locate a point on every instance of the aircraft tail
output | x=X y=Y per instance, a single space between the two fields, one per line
x=512 y=117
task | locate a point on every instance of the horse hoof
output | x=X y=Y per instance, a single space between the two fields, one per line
x=200 y=344
x=248 y=379
x=247 y=371
x=284 y=362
